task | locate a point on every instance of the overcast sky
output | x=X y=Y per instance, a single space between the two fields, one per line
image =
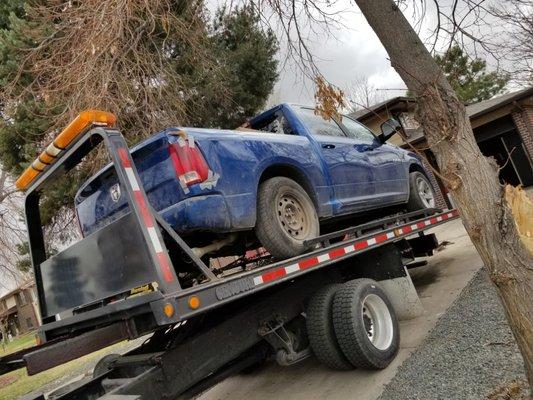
x=353 y=51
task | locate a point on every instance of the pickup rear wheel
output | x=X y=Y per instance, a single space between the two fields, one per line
x=286 y=217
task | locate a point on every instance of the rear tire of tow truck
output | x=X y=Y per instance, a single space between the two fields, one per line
x=365 y=324
x=321 y=332
x=421 y=193
x=286 y=217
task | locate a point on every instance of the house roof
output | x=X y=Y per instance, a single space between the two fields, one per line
x=473 y=110
x=23 y=285
x=377 y=108
x=477 y=109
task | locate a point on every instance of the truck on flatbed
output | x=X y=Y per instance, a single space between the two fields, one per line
x=271 y=184
x=340 y=301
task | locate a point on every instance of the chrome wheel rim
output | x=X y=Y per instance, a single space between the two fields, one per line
x=292 y=216
x=377 y=321
x=425 y=192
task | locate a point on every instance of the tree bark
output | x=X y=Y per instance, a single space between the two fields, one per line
x=471 y=178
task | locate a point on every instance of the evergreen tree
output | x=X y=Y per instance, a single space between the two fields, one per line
x=469 y=77
x=7 y=7
x=247 y=53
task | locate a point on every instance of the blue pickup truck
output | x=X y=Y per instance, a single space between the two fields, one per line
x=273 y=182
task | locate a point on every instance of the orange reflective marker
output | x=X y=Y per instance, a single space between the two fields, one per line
x=79 y=125
x=194 y=302
x=168 y=309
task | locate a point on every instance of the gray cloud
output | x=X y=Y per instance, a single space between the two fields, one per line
x=350 y=53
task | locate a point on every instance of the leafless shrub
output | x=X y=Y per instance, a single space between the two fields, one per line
x=517 y=17
x=119 y=55
x=12 y=232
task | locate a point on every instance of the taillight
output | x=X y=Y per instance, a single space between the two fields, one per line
x=189 y=163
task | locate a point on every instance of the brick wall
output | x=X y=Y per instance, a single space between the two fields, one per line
x=27 y=319
x=523 y=120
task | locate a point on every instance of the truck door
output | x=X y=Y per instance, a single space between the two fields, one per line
x=390 y=175
x=350 y=171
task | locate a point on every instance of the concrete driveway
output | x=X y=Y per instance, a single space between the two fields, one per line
x=438 y=284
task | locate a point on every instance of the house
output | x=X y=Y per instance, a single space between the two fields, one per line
x=19 y=310
x=503 y=128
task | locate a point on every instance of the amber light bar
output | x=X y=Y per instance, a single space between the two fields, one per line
x=53 y=151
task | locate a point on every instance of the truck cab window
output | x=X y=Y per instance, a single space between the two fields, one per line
x=358 y=131
x=276 y=123
x=318 y=125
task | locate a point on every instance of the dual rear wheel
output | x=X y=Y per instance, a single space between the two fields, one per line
x=353 y=325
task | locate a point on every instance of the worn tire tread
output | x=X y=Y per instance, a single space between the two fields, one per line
x=321 y=332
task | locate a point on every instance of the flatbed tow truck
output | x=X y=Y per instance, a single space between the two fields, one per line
x=124 y=281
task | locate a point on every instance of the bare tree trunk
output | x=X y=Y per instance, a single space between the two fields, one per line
x=472 y=178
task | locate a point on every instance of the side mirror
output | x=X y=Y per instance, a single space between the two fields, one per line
x=388 y=129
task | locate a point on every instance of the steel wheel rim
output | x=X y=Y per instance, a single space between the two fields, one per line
x=425 y=193
x=292 y=216
x=377 y=322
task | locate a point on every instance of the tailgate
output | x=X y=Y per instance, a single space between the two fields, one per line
x=100 y=200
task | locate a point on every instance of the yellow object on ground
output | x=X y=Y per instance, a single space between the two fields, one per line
x=522 y=208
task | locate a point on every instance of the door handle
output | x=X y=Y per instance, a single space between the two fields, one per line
x=328 y=146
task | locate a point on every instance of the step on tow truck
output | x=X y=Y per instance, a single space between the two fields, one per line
x=341 y=301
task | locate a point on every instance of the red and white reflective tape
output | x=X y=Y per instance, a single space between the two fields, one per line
x=147 y=217
x=338 y=252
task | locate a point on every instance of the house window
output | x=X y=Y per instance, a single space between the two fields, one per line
x=29 y=323
x=11 y=302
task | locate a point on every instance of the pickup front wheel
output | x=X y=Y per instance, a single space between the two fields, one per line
x=421 y=194
x=286 y=217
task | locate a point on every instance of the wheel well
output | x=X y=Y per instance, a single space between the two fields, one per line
x=415 y=167
x=288 y=171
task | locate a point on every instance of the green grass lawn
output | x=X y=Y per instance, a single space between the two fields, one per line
x=17 y=383
x=18 y=343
